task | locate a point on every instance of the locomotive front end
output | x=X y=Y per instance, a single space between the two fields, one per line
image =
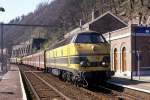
x=92 y=57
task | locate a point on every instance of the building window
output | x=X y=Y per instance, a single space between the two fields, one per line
x=115 y=59
x=144 y=57
x=124 y=59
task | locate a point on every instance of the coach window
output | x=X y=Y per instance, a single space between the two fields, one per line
x=115 y=60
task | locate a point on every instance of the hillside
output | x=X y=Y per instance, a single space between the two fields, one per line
x=64 y=15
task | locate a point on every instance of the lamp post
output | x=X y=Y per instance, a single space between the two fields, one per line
x=2 y=47
x=2 y=10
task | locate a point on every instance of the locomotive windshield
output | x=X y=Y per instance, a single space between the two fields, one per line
x=90 y=38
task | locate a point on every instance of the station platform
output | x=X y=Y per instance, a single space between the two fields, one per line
x=139 y=84
x=11 y=86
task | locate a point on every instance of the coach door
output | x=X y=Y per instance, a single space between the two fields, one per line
x=115 y=60
x=123 y=59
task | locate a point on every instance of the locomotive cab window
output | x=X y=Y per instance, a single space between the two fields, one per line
x=90 y=38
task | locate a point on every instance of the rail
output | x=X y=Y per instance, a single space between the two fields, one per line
x=102 y=91
x=65 y=97
x=46 y=84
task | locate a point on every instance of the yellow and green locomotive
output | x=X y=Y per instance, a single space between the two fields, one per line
x=80 y=58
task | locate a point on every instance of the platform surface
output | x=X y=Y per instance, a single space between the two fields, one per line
x=11 y=87
x=140 y=84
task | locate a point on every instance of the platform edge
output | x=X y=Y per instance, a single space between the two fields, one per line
x=22 y=88
x=138 y=89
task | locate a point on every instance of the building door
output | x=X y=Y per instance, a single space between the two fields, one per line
x=145 y=58
x=124 y=59
x=115 y=60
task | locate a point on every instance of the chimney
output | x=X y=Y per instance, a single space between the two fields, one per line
x=93 y=17
x=80 y=22
x=95 y=14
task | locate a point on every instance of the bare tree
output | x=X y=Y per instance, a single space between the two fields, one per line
x=142 y=2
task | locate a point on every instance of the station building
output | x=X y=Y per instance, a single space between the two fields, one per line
x=130 y=50
x=27 y=48
x=21 y=49
x=130 y=44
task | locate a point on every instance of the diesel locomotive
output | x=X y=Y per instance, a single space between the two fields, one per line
x=82 y=58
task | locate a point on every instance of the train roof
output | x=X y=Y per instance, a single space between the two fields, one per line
x=90 y=31
x=34 y=54
x=68 y=39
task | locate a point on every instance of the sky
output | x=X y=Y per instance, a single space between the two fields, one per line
x=15 y=8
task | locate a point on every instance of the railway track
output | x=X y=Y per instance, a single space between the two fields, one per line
x=126 y=93
x=43 y=85
x=42 y=89
x=47 y=87
x=119 y=93
x=116 y=94
x=76 y=93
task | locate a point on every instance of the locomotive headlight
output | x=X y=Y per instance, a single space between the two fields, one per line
x=103 y=63
x=84 y=63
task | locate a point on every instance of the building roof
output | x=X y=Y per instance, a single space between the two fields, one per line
x=105 y=23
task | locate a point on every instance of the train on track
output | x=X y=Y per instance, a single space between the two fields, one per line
x=82 y=58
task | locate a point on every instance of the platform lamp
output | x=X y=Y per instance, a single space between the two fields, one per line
x=2 y=10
